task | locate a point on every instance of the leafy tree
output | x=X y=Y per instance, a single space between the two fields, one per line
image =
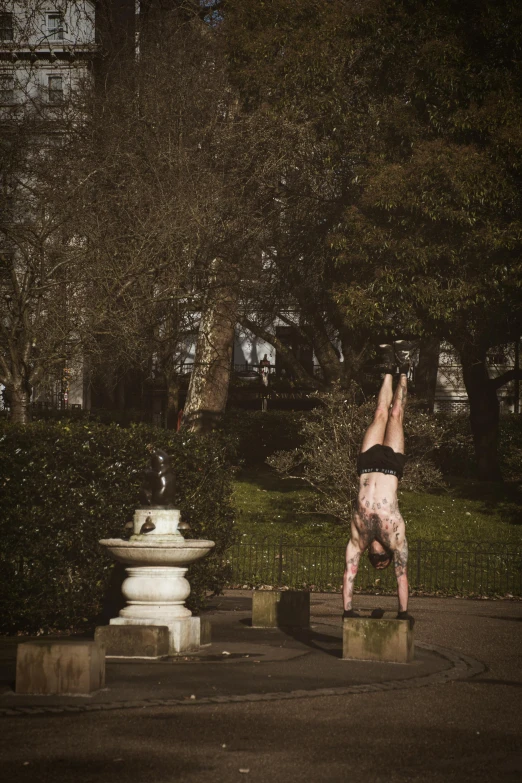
x=413 y=111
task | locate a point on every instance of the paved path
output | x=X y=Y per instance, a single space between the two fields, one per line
x=288 y=708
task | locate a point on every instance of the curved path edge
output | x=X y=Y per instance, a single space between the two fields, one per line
x=462 y=667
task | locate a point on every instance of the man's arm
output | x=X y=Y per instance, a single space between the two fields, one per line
x=400 y=562
x=353 y=556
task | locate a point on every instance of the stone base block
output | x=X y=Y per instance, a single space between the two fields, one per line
x=368 y=639
x=205 y=632
x=184 y=633
x=68 y=667
x=280 y=608
x=134 y=641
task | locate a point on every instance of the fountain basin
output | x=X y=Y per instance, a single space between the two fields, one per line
x=179 y=552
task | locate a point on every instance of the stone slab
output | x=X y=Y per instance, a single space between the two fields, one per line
x=205 y=632
x=134 y=641
x=185 y=633
x=280 y=609
x=369 y=639
x=67 y=668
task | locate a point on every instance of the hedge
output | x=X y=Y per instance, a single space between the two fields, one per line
x=65 y=485
x=457 y=456
x=255 y=435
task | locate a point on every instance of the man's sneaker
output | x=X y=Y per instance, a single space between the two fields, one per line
x=406 y=616
x=404 y=352
x=387 y=360
x=350 y=613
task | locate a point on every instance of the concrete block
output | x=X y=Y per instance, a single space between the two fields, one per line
x=206 y=632
x=185 y=635
x=280 y=608
x=184 y=632
x=68 y=667
x=134 y=641
x=368 y=639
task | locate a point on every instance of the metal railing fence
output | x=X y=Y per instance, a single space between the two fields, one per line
x=434 y=567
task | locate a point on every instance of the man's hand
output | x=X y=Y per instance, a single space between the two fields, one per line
x=406 y=616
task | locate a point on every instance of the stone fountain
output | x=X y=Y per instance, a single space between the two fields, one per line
x=156 y=558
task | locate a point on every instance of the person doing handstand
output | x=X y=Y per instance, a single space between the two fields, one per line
x=377 y=524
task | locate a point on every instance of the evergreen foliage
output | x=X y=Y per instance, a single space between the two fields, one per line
x=66 y=485
x=253 y=436
x=400 y=126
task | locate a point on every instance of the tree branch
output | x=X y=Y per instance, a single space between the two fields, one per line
x=506 y=377
x=286 y=353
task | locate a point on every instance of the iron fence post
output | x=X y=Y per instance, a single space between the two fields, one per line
x=418 y=562
x=280 y=569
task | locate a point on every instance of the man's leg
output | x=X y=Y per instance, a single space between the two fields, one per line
x=394 y=433
x=374 y=435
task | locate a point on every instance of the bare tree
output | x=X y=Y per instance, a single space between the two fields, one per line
x=172 y=208
x=45 y=56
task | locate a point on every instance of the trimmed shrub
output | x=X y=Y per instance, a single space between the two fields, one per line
x=455 y=455
x=511 y=447
x=255 y=435
x=65 y=485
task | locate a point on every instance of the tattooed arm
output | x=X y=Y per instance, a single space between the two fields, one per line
x=400 y=561
x=354 y=551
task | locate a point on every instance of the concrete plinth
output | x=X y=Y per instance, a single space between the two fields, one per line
x=133 y=641
x=185 y=633
x=368 y=639
x=67 y=667
x=280 y=608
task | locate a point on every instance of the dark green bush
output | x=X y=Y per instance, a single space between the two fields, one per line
x=65 y=485
x=510 y=449
x=456 y=455
x=255 y=435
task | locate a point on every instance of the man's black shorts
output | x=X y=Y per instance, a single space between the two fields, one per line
x=381 y=459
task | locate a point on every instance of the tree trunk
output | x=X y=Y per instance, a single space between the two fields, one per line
x=326 y=354
x=209 y=382
x=426 y=371
x=20 y=398
x=484 y=414
x=354 y=353
x=120 y=392
x=171 y=414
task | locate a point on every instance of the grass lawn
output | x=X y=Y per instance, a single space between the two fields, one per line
x=268 y=506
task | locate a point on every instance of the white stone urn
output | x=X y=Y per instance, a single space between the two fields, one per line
x=156 y=558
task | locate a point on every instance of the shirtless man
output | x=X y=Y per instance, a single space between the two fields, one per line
x=377 y=524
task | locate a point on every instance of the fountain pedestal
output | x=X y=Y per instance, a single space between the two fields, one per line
x=156 y=588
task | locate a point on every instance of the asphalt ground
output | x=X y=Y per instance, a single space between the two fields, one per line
x=285 y=706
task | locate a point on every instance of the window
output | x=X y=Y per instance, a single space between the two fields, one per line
x=55 y=89
x=6 y=89
x=6 y=27
x=55 y=26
